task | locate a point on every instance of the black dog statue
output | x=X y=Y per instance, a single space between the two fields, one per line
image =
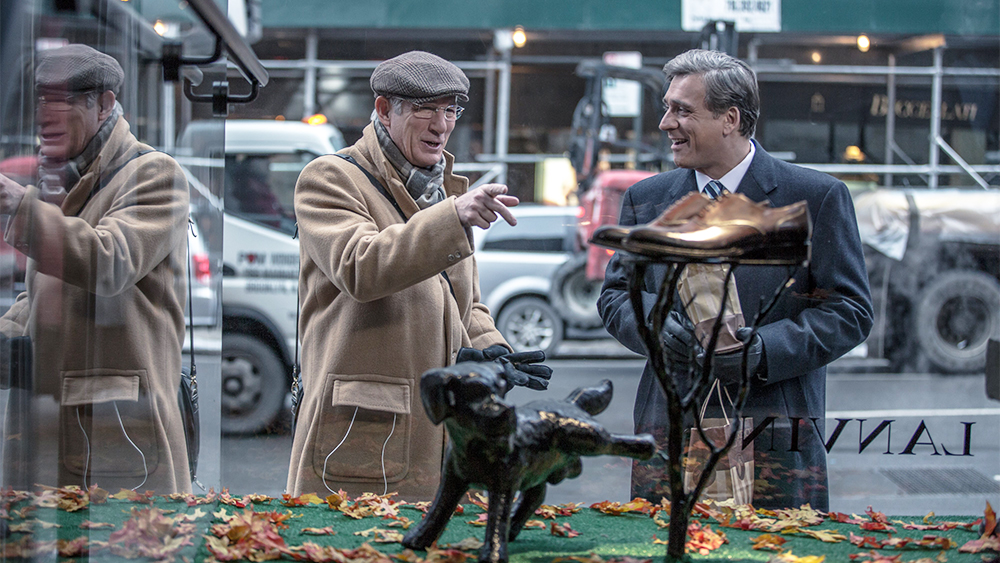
x=506 y=451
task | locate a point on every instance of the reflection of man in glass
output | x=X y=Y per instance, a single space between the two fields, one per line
x=105 y=234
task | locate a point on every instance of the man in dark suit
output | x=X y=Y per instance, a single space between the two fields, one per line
x=711 y=108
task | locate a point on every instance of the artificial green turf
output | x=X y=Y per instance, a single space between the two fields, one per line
x=606 y=536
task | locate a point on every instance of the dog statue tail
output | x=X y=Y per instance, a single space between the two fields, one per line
x=593 y=400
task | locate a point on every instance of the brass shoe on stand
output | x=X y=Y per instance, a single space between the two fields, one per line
x=612 y=236
x=734 y=229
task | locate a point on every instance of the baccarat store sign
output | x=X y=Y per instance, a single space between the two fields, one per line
x=921 y=109
x=766 y=437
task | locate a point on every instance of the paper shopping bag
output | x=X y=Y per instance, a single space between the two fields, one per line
x=732 y=477
x=700 y=289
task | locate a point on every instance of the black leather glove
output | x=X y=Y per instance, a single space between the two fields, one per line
x=728 y=368
x=484 y=355
x=519 y=368
x=681 y=345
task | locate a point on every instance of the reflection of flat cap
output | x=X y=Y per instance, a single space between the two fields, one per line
x=78 y=68
x=419 y=77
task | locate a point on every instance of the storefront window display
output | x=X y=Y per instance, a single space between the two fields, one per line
x=156 y=233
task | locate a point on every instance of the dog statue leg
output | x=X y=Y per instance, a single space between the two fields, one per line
x=531 y=499
x=494 y=549
x=429 y=529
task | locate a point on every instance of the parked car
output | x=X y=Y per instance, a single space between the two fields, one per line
x=516 y=267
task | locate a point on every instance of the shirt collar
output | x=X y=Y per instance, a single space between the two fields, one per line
x=732 y=178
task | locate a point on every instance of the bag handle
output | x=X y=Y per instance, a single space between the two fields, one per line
x=718 y=388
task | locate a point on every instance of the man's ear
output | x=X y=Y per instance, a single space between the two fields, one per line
x=383 y=107
x=105 y=103
x=732 y=121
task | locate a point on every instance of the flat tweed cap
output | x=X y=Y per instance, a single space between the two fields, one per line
x=78 y=68
x=419 y=77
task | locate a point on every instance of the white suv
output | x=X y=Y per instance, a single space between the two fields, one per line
x=260 y=257
x=516 y=266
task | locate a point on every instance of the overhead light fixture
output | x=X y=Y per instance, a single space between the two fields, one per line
x=864 y=43
x=160 y=27
x=816 y=57
x=519 y=37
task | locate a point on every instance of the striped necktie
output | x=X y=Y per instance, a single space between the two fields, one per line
x=714 y=189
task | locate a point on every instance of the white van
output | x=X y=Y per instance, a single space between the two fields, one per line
x=260 y=259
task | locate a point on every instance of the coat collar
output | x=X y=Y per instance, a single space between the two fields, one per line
x=110 y=157
x=759 y=181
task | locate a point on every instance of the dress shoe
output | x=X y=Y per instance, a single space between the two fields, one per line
x=733 y=229
x=612 y=236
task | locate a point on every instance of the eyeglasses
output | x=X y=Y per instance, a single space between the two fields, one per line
x=58 y=102
x=451 y=113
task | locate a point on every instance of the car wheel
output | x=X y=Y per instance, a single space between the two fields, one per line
x=575 y=296
x=253 y=384
x=955 y=318
x=529 y=323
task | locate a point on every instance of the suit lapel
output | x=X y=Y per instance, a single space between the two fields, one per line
x=759 y=180
x=674 y=192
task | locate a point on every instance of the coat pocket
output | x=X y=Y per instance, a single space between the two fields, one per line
x=107 y=424
x=364 y=430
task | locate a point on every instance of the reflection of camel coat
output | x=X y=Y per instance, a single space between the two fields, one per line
x=375 y=315
x=104 y=309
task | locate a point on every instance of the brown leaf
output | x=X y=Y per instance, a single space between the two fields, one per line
x=617 y=509
x=772 y=542
x=479 y=500
x=468 y=544
x=149 y=533
x=73 y=548
x=325 y=531
x=380 y=535
x=991 y=520
x=876 y=527
x=88 y=525
x=562 y=530
x=991 y=543
x=876 y=516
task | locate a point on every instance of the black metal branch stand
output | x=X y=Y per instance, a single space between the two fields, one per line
x=687 y=386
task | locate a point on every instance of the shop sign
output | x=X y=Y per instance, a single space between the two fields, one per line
x=749 y=15
x=921 y=109
x=921 y=436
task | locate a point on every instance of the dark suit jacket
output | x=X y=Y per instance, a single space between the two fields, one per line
x=825 y=314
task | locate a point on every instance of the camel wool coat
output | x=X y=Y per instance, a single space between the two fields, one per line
x=104 y=309
x=376 y=313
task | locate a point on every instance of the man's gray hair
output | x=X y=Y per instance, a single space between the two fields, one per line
x=729 y=82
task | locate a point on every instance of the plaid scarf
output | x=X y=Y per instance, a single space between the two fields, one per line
x=425 y=185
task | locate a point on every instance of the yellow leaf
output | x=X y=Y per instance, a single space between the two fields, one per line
x=311 y=498
x=787 y=557
x=829 y=536
x=468 y=544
